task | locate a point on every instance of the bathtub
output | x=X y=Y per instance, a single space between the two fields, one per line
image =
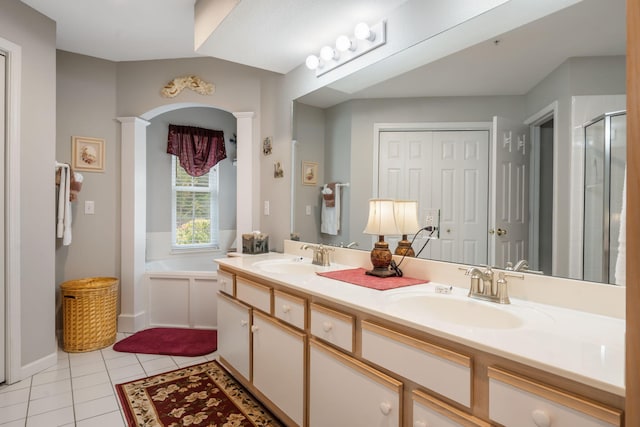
x=182 y=291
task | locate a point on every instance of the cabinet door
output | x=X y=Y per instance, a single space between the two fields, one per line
x=279 y=365
x=233 y=334
x=346 y=392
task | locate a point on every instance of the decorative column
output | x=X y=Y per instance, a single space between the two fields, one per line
x=248 y=178
x=133 y=226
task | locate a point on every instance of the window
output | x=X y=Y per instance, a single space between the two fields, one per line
x=194 y=207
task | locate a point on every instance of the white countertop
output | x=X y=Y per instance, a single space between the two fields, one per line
x=584 y=347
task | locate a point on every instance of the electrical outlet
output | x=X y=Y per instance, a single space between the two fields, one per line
x=267 y=207
x=432 y=222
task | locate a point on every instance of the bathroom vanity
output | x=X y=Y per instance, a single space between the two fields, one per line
x=320 y=352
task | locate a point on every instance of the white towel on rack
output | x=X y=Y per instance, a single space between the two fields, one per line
x=330 y=216
x=63 y=229
x=621 y=260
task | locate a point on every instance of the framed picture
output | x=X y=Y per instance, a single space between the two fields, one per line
x=309 y=173
x=266 y=146
x=87 y=154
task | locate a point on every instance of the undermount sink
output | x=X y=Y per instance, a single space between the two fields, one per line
x=455 y=309
x=286 y=266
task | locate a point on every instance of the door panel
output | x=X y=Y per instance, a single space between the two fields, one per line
x=509 y=227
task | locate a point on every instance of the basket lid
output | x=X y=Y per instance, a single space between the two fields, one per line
x=89 y=283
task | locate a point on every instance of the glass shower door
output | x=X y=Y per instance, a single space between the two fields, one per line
x=605 y=161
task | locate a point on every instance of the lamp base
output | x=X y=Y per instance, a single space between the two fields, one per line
x=404 y=248
x=381 y=272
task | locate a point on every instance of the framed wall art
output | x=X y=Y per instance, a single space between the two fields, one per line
x=309 y=173
x=87 y=154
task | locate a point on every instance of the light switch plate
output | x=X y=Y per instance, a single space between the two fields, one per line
x=89 y=207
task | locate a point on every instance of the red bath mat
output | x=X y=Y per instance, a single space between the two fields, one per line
x=170 y=342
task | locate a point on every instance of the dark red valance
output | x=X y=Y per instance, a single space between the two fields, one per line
x=198 y=149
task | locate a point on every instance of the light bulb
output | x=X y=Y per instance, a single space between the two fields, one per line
x=363 y=32
x=327 y=53
x=312 y=62
x=344 y=43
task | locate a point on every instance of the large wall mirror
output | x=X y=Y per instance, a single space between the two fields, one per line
x=438 y=134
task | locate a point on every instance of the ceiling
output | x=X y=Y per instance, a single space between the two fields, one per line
x=277 y=35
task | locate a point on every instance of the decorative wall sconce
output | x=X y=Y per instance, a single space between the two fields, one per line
x=381 y=222
x=406 y=213
x=365 y=39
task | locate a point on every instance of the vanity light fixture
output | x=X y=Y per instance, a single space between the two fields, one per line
x=366 y=38
x=406 y=213
x=381 y=222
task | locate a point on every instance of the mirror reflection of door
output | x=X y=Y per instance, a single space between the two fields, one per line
x=446 y=170
x=509 y=225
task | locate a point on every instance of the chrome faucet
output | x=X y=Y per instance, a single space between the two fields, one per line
x=522 y=265
x=484 y=285
x=320 y=254
x=352 y=245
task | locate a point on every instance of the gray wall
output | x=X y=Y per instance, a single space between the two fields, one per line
x=36 y=36
x=159 y=165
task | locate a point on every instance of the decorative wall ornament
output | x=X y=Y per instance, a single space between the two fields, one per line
x=195 y=83
x=278 y=172
x=87 y=154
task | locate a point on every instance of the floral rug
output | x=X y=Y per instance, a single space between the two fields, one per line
x=203 y=395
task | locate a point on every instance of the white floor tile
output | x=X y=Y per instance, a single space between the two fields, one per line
x=53 y=418
x=118 y=374
x=88 y=368
x=14 y=397
x=51 y=377
x=14 y=412
x=51 y=403
x=50 y=389
x=188 y=361
x=92 y=392
x=77 y=359
x=26 y=383
x=17 y=423
x=112 y=419
x=110 y=353
x=128 y=360
x=89 y=380
x=159 y=365
x=96 y=407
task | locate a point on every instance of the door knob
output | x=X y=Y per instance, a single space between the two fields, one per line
x=501 y=231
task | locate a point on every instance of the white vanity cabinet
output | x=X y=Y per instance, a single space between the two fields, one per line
x=346 y=392
x=234 y=334
x=290 y=309
x=518 y=401
x=279 y=364
x=332 y=326
x=254 y=294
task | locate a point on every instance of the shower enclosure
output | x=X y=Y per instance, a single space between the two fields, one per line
x=604 y=194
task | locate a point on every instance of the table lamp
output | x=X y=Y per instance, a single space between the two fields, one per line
x=381 y=221
x=406 y=213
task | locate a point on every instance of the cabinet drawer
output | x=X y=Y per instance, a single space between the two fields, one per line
x=332 y=326
x=444 y=371
x=429 y=411
x=254 y=294
x=290 y=309
x=519 y=401
x=346 y=392
x=226 y=282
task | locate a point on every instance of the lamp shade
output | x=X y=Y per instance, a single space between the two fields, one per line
x=381 y=218
x=406 y=213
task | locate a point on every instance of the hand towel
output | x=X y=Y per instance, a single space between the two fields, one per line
x=329 y=194
x=330 y=216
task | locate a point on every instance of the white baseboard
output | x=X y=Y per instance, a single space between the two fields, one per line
x=132 y=322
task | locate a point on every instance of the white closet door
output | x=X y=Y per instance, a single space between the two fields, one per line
x=3 y=99
x=446 y=170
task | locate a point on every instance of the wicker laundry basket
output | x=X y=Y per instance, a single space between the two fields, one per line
x=89 y=313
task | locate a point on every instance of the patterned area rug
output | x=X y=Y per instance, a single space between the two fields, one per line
x=201 y=395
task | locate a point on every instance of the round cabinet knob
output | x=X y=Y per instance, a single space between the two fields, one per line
x=243 y=323
x=254 y=329
x=541 y=418
x=385 y=408
x=501 y=232
x=420 y=424
x=327 y=326
x=286 y=308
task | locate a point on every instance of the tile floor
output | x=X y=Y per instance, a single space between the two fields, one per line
x=80 y=389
